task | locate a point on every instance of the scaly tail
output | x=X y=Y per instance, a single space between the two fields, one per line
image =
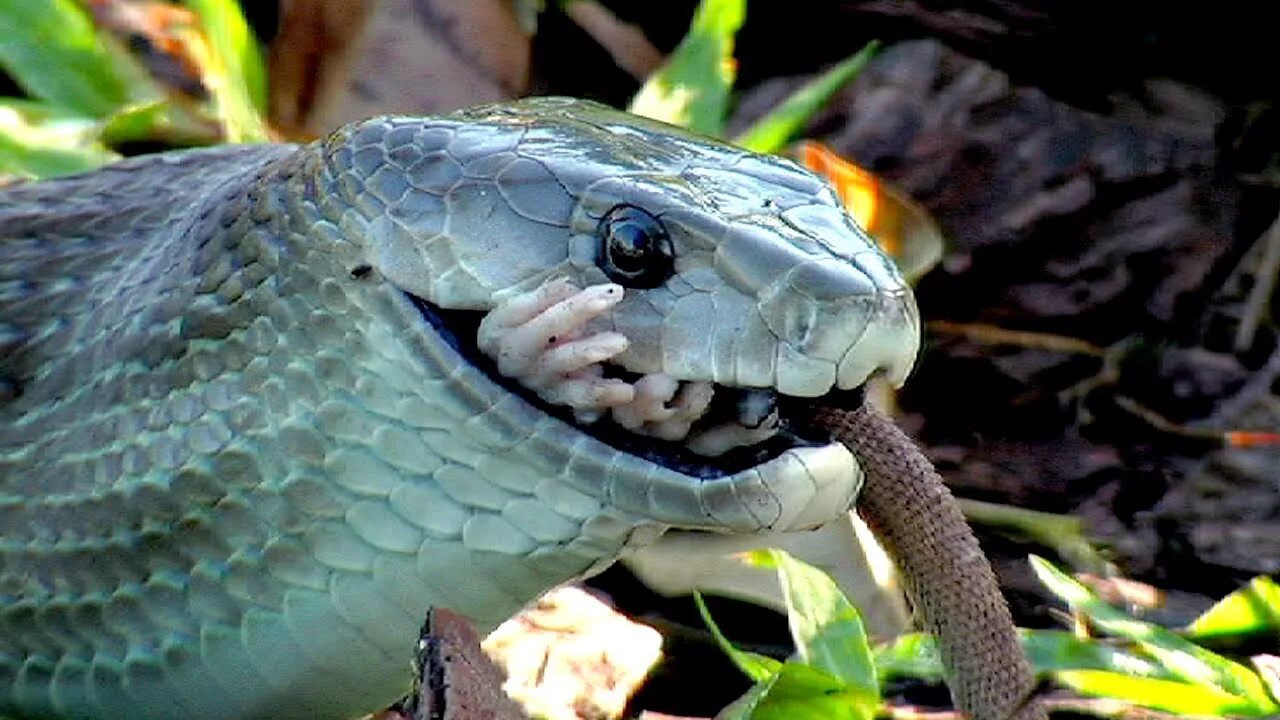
x=947 y=577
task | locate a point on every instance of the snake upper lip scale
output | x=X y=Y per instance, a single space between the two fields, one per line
x=237 y=464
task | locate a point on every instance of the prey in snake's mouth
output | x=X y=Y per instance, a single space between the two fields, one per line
x=542 y=345
x=699 y=429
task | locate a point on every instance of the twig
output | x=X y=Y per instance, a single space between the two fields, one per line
x=993 y=335
x=1223 y=438
x=1268 y=269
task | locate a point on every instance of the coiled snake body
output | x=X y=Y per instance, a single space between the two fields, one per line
x=247 y=435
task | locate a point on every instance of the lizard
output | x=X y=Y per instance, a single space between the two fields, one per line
x=261 y=406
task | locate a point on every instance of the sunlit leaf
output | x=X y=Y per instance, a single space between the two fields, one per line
x=232 y=70
x=900 y=225
x=1250 y=610
x=1178 y=655
x=1057 y=650
x=1268 y=667
x=753 y=665
x=1167 y=695
x=692 y=88
x=803 y=692
x=913 y=655
x=39 y=141
x=827 y=629
x=51 y=49
x=771 y=133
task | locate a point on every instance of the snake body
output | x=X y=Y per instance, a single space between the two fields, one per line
x=245 y=441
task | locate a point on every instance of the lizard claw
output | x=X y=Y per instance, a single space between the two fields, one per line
x=664 y=407
x=539 y=339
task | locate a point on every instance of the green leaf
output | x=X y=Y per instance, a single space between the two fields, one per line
x=1167 y=695
x=51 y=49
x=39 y=141
x=755 y=666
x=1064 y=533
x=827 y=629
x=771 y=133
x=234 y=71
x=692 y=88
x=1058 y=650
x=1251 y=610
x=803 y=692
x=913 y=655
x=1179 y=656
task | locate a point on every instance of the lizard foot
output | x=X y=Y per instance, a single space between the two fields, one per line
x=540 y=339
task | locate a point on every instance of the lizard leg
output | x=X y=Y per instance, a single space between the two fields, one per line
x=664 y=407
x=540 y=339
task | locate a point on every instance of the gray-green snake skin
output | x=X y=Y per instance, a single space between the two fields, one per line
x=237 y=463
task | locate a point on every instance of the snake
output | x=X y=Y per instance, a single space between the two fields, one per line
x=262 y=406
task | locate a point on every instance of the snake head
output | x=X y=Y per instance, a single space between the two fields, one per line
x=739 y=271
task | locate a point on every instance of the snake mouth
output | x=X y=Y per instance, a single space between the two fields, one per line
x=747 y=408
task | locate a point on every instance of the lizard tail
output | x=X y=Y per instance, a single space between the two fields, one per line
x=946 y=575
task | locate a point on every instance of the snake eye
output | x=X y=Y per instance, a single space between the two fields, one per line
x=635 y=250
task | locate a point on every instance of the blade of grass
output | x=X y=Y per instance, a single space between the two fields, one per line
x=772 y=132
x=232 y=70
x=51 y=49
x=1179 y=656
x=692 y=88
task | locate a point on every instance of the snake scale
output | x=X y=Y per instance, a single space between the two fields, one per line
x=248 y=434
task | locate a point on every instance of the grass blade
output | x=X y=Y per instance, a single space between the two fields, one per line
x=771 y=133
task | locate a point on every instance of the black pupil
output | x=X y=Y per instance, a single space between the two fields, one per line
x=631 y=242
x=635 y=248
